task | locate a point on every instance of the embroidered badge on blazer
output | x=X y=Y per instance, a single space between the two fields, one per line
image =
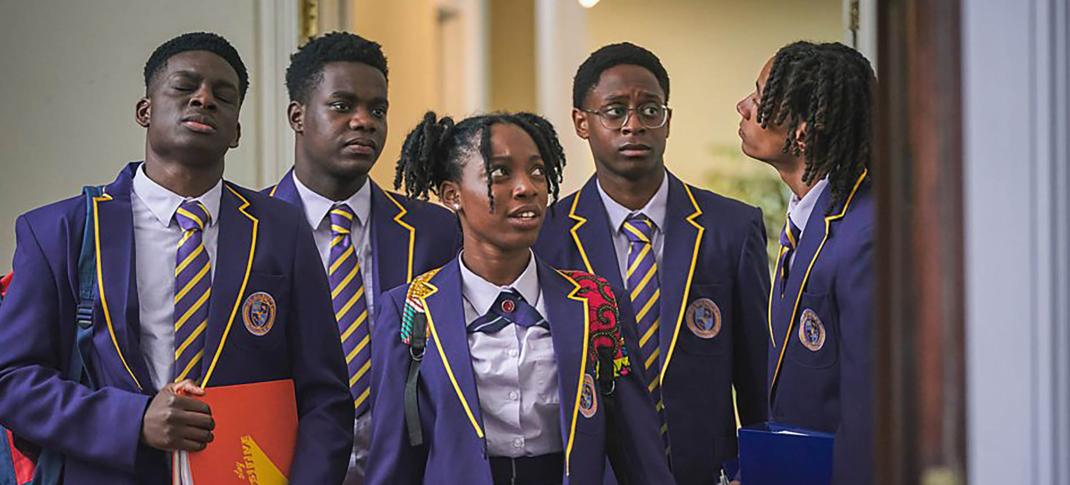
x=258 y=313
x=811 y=330
x=588 y=397
x=703 y=318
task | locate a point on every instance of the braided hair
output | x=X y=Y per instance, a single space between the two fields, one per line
x=829 y=87
x=434 y=151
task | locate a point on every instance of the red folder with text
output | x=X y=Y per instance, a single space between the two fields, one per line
x=255 y=435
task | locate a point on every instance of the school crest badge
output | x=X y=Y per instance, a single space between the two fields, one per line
x=258 y=313
x=703 y=318
x=811 y=330
x=588 y=397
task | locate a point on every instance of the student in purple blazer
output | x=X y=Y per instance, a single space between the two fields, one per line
x=692 y=262
x=200 y=283
x=338 y=108
x=810 y=118
x=521 y=371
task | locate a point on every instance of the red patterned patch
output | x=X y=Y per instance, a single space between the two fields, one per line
x=604 y=331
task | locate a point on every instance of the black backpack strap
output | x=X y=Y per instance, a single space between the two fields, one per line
x=87 y=289
x=414 y=336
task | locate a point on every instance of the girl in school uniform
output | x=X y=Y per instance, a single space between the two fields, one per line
x=498 y=368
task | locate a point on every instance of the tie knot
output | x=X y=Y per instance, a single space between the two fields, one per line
x=789 y=237
x=192 y=215
x=639 y=228
x=341 y=219
x=509 y=308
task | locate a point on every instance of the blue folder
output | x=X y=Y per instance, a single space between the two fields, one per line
x=776 y=454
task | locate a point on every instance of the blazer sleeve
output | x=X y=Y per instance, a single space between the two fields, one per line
x=324 y=405
x=853 y=448
x=750 y=344
x=101 y=426
x=633 y=439
x=391 y=459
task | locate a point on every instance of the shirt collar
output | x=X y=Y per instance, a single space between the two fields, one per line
x=654 y=209
x=799 y=210
x=317 y=206
x=482 y=293
x=163 y=203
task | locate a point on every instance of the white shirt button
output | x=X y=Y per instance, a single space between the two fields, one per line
x=513 y=352
x=518 y=442
x=514 y=395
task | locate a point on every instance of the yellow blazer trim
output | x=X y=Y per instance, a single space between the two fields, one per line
x=806 y=277
x=245 y=281
x=273 y=189
x=580 y=221
x=583 y=366
x=446 y=363
x=100 y=286
x=687 y=286
x=412 y=232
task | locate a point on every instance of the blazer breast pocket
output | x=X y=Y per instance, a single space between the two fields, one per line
x=814 y=339
x=705 y=326
x=262 y=313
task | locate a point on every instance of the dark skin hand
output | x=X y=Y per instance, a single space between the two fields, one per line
x=176 y=422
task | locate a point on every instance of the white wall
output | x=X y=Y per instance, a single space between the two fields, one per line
x=72 y=72
x=1017 y=252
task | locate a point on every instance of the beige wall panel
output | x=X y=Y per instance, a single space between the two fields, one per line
x=72 y=74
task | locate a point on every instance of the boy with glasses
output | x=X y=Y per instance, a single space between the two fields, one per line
x=692 y=263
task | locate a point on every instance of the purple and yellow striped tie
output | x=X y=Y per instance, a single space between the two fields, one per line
x=645 y=294
x=193 y=288
x=350 y=307
x=789 y=240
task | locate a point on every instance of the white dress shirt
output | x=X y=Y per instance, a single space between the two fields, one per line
x=799 y=210
x=317 y=210
x=156 y=237
x=655 y=209
x=515 y=371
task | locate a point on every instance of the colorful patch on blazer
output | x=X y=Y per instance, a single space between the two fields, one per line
x=604 y=331
x=258 y=313
x=588 y=397
x=811 y=330
x=414 y=313
x=703 y=318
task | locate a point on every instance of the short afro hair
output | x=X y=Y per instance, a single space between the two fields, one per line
x=197 y=41
x=614 y=55
x=306 y=65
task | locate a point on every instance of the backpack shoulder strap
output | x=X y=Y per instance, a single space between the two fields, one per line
x=87 y=286
x=607 y=356
x=414 y=336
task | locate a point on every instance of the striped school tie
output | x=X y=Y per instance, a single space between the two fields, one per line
x=645 y=294
x=789 y=240
x=193 y=288
x=350 y=307
x=509 y=308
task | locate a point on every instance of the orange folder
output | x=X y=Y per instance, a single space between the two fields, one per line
x=255 y=435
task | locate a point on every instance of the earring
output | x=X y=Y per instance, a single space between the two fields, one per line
x=456 y=207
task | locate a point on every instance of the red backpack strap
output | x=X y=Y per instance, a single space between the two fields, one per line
x=607 y=356
x=5 y=281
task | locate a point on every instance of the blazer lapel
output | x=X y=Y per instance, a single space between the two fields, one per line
x=569 y=327
x=446 y=326
x=683 y=235
x=237 y=245
x=395 y=236
x=286 y=190
x=593 y=235
x=116 y=283
x=813 y=241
